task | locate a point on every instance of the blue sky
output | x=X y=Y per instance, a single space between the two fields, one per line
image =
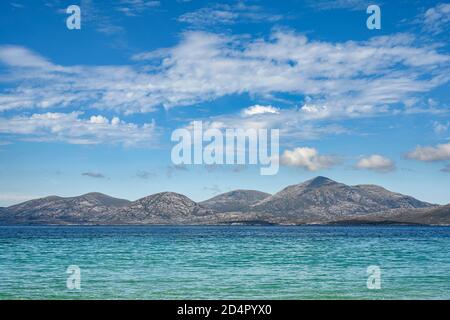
x=93 y=109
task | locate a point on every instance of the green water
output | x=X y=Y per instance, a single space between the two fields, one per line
x=230 y=262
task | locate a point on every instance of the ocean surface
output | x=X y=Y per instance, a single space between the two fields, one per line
x=225 y=262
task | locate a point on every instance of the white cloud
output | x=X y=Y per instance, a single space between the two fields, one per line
x=99 y=120
x=307 y=158
x=259 y=109
x=136 y=7
x=115 y=121
x=228 y=14
x=292 y=123
x=70 y=128
x=429 y=153
x=440 y=128
x=437 y=19
x=377 y=163
x=342 y=79
x=151 y=55
x=341 y=4
x=21 y=57
x=95 y=14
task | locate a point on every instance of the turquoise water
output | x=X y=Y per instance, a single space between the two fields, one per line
x=233 y=262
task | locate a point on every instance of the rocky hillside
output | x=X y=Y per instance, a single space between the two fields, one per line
x=88 y=208
x=163 y=208
x=427 y=216
x=237 y=200
x=322 y=199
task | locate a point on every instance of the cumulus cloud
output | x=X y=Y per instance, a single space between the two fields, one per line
x=429 y=153
x=377 y=163
x=446 y=168
x=344 y=78
x=258 y=109
x=99 y=120
x=307 y=158
x=71 y=128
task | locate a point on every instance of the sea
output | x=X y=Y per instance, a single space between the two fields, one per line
x=224 y=262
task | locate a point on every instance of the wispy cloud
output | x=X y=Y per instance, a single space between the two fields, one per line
x=172 y=169
x=440 y=128
x=293 y=123
x=341 y=4
x=16 y=56
x=17 y=5
x=146 y=175
x=228 y=14
x=97 y=17
x=70 y=128
x=437 y=19
x=136 y=7
x=214 y=189
x=94 y=175
x=340 y=78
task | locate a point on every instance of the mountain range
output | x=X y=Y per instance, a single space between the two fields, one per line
x=316 y=201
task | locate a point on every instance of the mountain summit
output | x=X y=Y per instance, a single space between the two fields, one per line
x=318 y=182
x=322 y=199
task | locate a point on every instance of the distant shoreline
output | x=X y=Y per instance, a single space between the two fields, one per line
x=374 y=224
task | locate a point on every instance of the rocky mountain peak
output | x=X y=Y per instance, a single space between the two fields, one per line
x=166 y=198
x=319 y=181
x=162 y=208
